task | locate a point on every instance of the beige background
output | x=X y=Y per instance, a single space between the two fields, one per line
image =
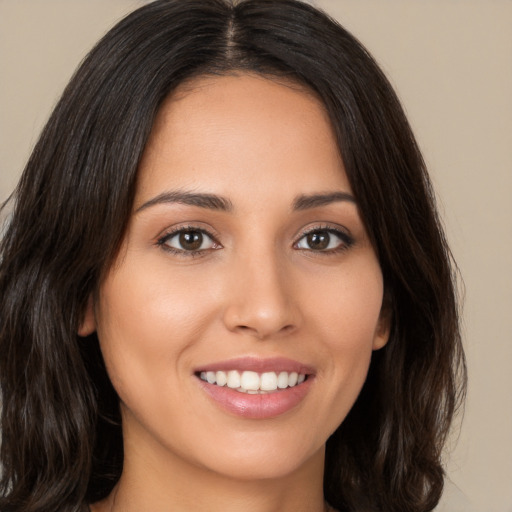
x=451 y=62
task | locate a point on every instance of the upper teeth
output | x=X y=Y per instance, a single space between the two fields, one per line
x=252 y=382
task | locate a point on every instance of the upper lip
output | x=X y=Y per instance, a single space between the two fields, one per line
x=259 y=365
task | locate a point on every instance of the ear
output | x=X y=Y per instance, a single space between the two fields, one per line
x=383 y=326
x=88 y=323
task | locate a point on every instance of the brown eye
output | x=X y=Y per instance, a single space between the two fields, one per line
x=188 y=241
x=324 y=240
x=318 y=240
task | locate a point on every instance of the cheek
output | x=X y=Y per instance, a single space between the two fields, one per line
x=347 y=319
x=147 y=323
x=151 y=306
x=350 y=304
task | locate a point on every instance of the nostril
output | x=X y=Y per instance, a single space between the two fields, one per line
x=262 y=319
x=263 y=333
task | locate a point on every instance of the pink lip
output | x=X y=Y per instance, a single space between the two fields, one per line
x=258 y=406
x=260 y=365
x=268 y=405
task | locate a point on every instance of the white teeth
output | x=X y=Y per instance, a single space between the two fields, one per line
x=233 y=379
x=268 y=381
x=282 y=380
x=221 y=378
x=252 y=382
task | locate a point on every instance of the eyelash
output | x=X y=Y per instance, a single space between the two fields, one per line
x=163 y=241
x=346 y=241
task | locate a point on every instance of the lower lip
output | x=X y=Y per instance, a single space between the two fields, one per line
x=258 y=406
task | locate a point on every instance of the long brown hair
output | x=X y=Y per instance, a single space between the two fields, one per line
x=61 y=433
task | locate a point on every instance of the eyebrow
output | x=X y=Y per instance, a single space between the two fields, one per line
x=305 y=202
x=209 y=201
x=215 y=202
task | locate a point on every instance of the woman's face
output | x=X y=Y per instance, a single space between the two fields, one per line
x=245 y=265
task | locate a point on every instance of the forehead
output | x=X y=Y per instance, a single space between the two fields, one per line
x=217 y=131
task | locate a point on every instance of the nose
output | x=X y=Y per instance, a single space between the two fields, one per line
x=261 y=300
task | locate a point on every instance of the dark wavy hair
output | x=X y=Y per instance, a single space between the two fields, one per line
x=61 y=433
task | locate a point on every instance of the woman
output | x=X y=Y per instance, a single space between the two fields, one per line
x=224 y=283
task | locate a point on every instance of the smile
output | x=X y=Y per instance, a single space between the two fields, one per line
x=256 y=388
x=252 y=382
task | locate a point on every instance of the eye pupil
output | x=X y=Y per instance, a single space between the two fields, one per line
x=191 y=240
x=318 y=240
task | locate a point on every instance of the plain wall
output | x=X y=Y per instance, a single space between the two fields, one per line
x=451 y=63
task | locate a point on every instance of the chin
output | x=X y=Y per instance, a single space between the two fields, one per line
x=261 y=458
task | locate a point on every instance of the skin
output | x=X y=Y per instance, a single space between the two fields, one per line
x=259 y=289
